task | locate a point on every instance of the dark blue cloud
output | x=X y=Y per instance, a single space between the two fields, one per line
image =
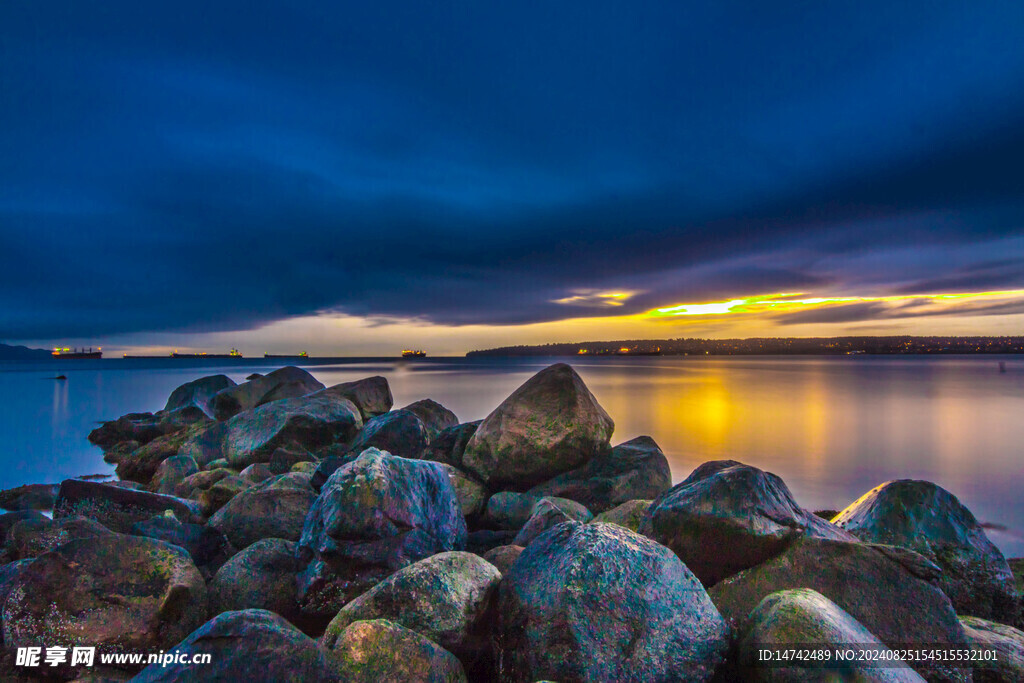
x=220 y=166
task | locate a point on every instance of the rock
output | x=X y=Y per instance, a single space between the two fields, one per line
x=374 y=516
x=325 y=468
x=445 y=597
x=256 y=472
x=548 y=512
x=799 y=618
x=31 y=537
x=207 y=546
x=286 y=382
x=471 y=494
x=305 y=422
x=1008 y=644
x=628 y=514
x=307 y=467
x=219 y=493
x=928 y=519
x=882 y=590
x=248 y=645
x=480 y=541
x=726 y=517
x=449 y=446
x=172 y=472
x=200 y=481
x=371 y=395
x=29 y=497
x=503 y=557
x=260 y=577
x=379 y=650
x=271 y=509
x=122 y=449
x=9 y=519
x=198 y=393
x=118 y=593
x=399 y=432
x=434 y=416
x=119 y=508
x=283 y=457
x=142 y=463
x=509 y=509
x=550 y=425
x=255 y=375
x=633 y=470
x=140 y=427
x=597 y=602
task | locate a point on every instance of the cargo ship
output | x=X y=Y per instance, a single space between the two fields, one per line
x=409 y=353
x=76 y=354
x=302 y=355
x=234 y=354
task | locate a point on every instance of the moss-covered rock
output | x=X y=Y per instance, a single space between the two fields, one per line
x=628 y=514
x=434 y=416
x=118 y=508
x=274 y=508
x=172 y=472
x=379 y=650
x=1008 y=644
x=509 y=510
x=546 y=513
x=260 y=577
x=549 y=425
x=198 y=393
x=33 y=537
x=471 y=493
x=283 y=383
x=400 y=432
x=449 y=445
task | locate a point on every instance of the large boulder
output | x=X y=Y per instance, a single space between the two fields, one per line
x=1007 y=644
x=503 y=557
x=889 y=590
x=449 y=446
x=207 y=546
x=275 y=508
x=287 y=382
x=727 y=516
x=801 y=618
x=434 y=416
x=371 y=395
x=29 y=497
x=30 y=538
x=284 y=457
x=172 y=472
x=597 y=602
x=119 y=593
x=546 y=513
x=930 y=520
x=633 y=470
x=470 y=492
x=399 y=432
x=374 y=516
x=628 y=514
x=445 y=597
x=260 y=577
x=509 y=510
x=380 y=650
x=141 y=464
x=198 y=393
x=140 y=427
x=252 y=436
x=247 y=645
x=118 y=508
x=550 y=425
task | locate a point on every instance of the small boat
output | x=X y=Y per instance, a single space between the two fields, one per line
x=409 y=353
x=76 y=354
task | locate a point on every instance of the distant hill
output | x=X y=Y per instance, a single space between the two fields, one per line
x=22 y=353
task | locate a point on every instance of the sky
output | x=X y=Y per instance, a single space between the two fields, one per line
x=358 y=178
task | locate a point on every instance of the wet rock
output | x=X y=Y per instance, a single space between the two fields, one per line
x=260 y=577
x=597 y=602
x=509 y=510
x=142 y=463
x=399 y=432
x=29 y=497
x=546 y=513
x=379 y=650
x=286 y=382
x=471 y=493
x=550 y=425
x=1008 y=644
x=801 y=617
x=275 y=508
x=140 y=427
x=247 y=645
x=371 y=395
x=374 y=516
x=884 y=588
x=503 y=557
x=198 y=394
x=929 y=520
x=727 y=516
x=445 y=597
x=449 y=445
x=172 y=472
x=207 y=546
x=633 y=470
x=628 y=514
x=119 y=508
x=119 y=593
x=434 y=416
x=33 y=537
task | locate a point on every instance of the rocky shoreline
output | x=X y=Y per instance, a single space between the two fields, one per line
x=297 y=532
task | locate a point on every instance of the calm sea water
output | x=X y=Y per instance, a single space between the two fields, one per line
x=832 y=428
